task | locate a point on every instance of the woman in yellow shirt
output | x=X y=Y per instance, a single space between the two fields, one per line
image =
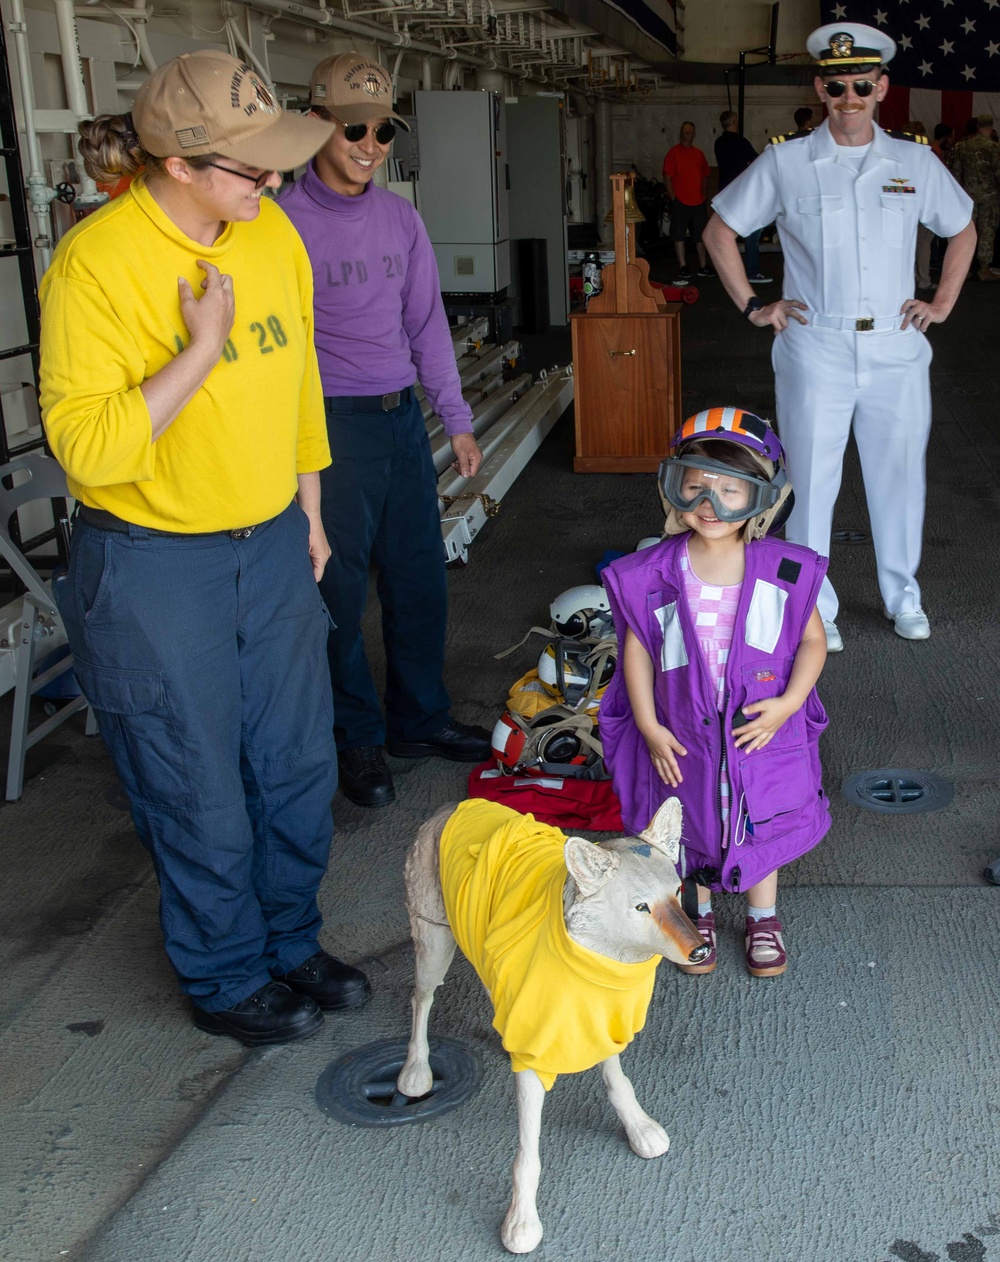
x=180 y=393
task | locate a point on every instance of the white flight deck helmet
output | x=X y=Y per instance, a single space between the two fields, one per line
x=578 y=613
x=581 y=611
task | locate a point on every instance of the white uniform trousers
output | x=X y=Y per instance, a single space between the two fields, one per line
x=824 y=380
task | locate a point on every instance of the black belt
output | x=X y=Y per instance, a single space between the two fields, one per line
x=108 y=521
x=377 y=402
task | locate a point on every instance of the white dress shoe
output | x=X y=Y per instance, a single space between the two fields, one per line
x=912 y=625
x=834 y=642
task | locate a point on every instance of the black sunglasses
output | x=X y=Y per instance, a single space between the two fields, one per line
x=258 y=181
x=384 y=132
x=836 y=87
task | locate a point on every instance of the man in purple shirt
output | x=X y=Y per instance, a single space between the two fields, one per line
x=380 y=326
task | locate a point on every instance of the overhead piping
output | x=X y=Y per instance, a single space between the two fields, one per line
x=244 y=46
x=39 y=194
x=401 y=37
x=76 y=92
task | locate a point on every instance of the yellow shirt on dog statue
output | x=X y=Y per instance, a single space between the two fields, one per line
x=559 y=1007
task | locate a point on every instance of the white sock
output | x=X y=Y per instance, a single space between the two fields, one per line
x=761 y=913
x=705 y=909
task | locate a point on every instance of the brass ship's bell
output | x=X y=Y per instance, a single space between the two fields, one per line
x=632 y=212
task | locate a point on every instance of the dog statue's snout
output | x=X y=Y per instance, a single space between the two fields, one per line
x=681 y=933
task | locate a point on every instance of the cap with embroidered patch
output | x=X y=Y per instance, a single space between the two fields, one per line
x=353 y=89
x=849 y=48
x=210 y=102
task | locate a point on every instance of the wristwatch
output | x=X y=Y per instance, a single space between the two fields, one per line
x=754 y=304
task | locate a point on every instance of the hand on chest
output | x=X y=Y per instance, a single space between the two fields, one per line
x=266 y=327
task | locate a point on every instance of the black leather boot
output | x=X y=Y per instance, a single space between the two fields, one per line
x=364 y=777
x=329 y=982
x=273 y=1014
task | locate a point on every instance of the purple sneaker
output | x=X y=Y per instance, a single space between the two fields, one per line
x=764 y=947
x=706 y=927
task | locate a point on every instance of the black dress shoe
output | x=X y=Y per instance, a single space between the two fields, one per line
x=273 y=1014
x=329 y=982
x=460 y=742
x=364 y=777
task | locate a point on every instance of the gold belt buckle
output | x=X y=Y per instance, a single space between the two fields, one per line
x=864 y=326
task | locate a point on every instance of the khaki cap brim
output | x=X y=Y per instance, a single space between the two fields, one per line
x=285 y=144
x=363 y=114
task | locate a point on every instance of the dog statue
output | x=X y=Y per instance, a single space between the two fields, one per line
x=566 y=935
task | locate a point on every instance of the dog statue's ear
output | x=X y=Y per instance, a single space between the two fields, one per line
x=590 y=865
x=664 y=829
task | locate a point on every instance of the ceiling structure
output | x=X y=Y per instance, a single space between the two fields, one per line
x=588 y=44
x=591 y=45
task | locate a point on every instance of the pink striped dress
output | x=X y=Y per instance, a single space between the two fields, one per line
x=713 y=612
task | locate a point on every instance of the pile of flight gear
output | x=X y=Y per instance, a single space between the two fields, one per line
x=549 y=727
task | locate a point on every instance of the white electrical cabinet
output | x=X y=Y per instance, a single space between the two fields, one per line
x=460 y=157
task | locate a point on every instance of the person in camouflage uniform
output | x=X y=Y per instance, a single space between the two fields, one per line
x=976 y=166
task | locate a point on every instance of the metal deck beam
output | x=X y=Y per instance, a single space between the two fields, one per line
x=531 y=419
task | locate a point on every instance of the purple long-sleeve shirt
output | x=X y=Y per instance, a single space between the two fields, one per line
x=380 y=321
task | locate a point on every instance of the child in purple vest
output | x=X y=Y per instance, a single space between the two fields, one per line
x=716 y=704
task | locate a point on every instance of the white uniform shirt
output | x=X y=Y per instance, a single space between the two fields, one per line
x=848 y=236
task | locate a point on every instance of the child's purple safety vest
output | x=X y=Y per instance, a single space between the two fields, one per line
x=778 y=809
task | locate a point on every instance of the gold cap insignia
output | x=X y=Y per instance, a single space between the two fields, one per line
x=842 y=45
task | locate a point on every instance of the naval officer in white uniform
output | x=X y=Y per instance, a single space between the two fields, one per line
x=850 y=342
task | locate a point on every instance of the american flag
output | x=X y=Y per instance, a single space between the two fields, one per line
x=947 y=62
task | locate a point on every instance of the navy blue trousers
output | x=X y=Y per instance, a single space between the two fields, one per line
x=204 y=658
x=380 y=510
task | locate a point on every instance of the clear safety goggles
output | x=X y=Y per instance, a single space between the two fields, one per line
x=734 y=495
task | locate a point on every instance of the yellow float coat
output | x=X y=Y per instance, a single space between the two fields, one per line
x=559 y=1007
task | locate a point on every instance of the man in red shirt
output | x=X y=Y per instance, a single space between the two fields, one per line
x=685 y=174
x=943 y=143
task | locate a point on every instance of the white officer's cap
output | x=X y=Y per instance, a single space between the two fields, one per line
x=849 y=48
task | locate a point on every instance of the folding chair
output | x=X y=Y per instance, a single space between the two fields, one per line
x=38 y=630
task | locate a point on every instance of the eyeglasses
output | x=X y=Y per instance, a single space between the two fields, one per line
x=258 y=181
x=837 y=87
x=384 y=132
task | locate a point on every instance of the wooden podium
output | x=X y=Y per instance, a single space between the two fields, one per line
x=626 y=361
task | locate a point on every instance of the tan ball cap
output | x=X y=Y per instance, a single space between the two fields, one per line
x=353 y=89
x=209 y=102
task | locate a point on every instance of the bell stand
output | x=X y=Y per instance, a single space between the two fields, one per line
x=625 y=282
x=627 y=359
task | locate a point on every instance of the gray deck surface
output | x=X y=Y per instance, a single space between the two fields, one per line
x=845 y=1112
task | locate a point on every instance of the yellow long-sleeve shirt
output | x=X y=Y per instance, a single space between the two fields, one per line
x=111 y=317
x=559 y=1007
